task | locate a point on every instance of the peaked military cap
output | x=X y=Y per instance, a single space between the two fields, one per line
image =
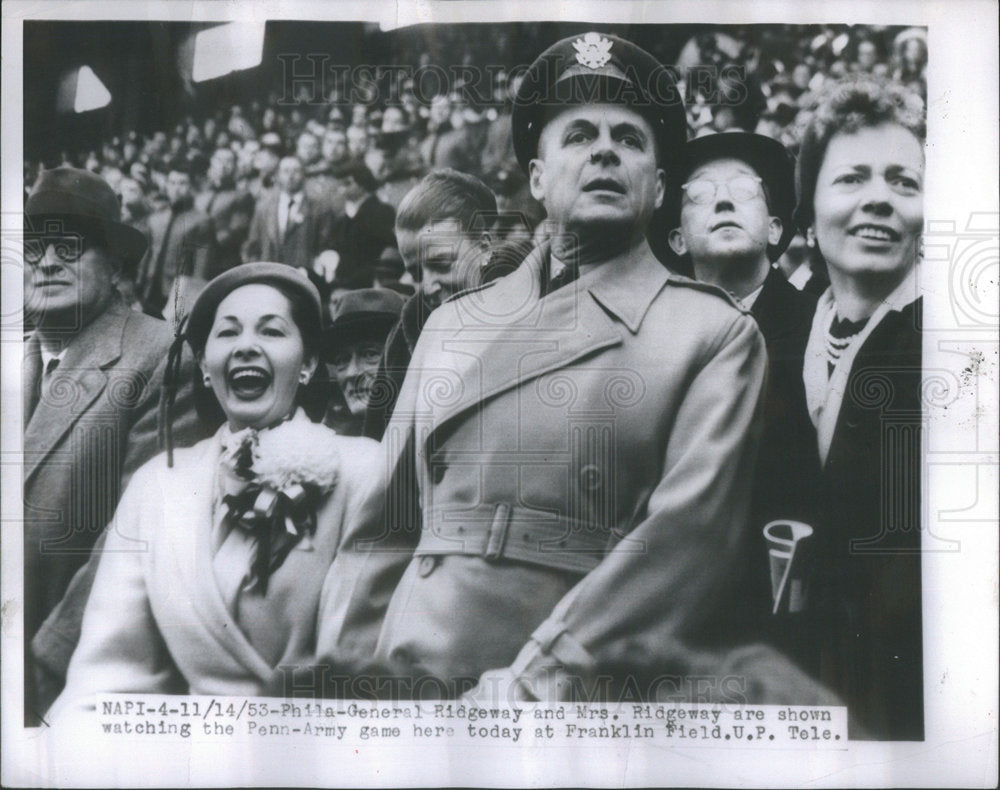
x=598 y=67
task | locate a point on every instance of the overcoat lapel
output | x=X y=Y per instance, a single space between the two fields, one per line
x=292 y=230
x=297 y=228
x=78 y=381
x=190 y=490
x=503 y=336
x=31 y=375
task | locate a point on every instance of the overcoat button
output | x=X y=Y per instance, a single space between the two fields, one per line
x=400 y=656
x=590 y=478
x=426 y=566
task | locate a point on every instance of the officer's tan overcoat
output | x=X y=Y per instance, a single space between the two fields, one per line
x=582 y=464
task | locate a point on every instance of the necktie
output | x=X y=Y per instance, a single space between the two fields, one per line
x=156 y=280
x=286 y=215
x=33 y=374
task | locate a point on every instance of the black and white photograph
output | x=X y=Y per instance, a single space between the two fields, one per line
x=473 y=394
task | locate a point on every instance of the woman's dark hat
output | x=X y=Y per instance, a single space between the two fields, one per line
x=770 y=159
x=66 y=199
x=597 y=67
x=194 y=328
x=202 y=313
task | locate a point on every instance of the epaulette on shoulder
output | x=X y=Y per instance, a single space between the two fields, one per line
x=467 y=291
x=686 y=282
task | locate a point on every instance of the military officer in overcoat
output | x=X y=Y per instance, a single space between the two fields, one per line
x=569 y=461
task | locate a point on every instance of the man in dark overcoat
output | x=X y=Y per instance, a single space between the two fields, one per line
x=733 y=199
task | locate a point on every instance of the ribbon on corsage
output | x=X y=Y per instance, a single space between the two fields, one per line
x=276 y=478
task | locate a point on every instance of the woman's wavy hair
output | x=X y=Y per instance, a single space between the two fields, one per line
x=846 y=106
x=312 y=397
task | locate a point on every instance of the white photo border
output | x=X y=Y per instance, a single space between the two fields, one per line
x=961 y=473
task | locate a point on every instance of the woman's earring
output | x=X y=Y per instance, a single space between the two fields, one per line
x=207 y=380
x=810 y=238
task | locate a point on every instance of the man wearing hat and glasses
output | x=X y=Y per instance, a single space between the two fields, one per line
x=578 y=435
x=360 y=322
x=731 y=219
x=92 y=374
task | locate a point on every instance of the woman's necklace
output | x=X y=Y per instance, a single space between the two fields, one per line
x=838 y=337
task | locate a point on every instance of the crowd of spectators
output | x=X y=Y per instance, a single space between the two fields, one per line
x=345 y=163
x=349 y=187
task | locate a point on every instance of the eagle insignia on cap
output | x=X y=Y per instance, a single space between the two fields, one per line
x=593 y=50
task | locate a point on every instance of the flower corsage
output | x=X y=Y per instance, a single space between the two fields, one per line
x=275 y=480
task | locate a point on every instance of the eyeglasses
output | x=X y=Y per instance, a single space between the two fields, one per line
x=741 y=189
x=67 y=249
x=366 y=354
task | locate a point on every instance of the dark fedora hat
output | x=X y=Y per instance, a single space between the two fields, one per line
x=69 y=199
x=770 y=159
x=366 y=311
x=597 y=67
x=202 y=314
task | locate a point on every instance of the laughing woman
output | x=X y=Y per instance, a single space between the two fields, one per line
x=861 y=182
x=212 y=574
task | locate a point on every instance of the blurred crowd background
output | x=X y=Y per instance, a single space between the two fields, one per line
x=439 y=97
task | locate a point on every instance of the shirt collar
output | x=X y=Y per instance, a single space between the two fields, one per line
x=48 y=356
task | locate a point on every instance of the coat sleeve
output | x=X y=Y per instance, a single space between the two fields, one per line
x=120 y=649
x=380 y=535
x=663 y=580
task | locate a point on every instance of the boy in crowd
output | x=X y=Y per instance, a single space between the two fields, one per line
x=442 y=229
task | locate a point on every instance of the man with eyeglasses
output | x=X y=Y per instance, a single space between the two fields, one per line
x=353 y=343
x=92 y=374
x=731 y=207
